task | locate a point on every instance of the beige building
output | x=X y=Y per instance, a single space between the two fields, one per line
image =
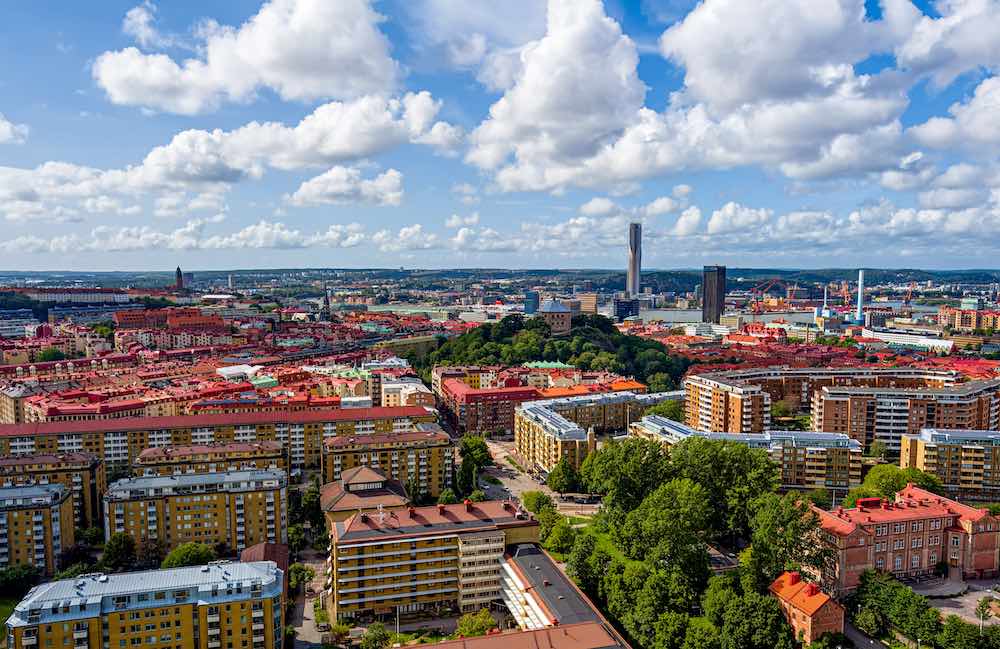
x=36 y=526
x=238 y=508
x=965 y=461
x=211 y=458
x=428 y=560
x=199 y=607
x=407 y=391
x=422 y=458
x=82 y=474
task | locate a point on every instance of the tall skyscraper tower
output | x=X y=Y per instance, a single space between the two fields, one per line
x=860 y=315
x=634 y=259
x=713 y=301
x=178 y=279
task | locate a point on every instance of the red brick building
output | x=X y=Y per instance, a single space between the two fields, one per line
x=809 y=611
x=484 y=411
x=908 y=536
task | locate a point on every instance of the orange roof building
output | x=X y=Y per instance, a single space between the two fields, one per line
x=809 y=611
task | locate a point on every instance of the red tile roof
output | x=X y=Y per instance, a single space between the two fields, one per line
x=410 y=436
x=585 y=635
x=801 y=595
x=164 y=452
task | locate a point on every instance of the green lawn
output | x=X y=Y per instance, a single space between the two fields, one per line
x=7 y=605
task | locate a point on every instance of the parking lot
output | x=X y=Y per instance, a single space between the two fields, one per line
x=964 y=605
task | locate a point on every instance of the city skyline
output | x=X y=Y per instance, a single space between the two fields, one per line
x=427 y=135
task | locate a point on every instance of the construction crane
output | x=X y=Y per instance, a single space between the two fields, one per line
x=909 y=293
x=759 y=291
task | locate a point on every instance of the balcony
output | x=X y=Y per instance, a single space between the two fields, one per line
x=29 y=640
x=258 y=613
x=80 y=635
x=258 y=627
x=212 y=618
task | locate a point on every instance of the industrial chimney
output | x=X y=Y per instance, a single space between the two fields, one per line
x=860 y=315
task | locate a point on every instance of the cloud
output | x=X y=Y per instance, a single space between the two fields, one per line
x=344 y=185
x=301 y=49
x=485 y=240
x=468 y=194
x=139 y=23
x=457 y=221
x=599 y=206
x=211 y=162
x=798 y=106
x=11 y=133
x=972 y=124
x=408 y=238
x=687 y=223
x=733 y=217
x=961 y=38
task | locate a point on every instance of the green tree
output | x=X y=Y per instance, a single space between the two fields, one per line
x=721 y=590
x=701 y=634
x=548 y=518
x=670 y=409
x=669 y=630
x=376 y=637
x=49 y=354
x=536 y=501
x=447 y=497
x=674 y=516
x=189 y=554
x=877 y=449
x=579 y=566
x=475 y=624
x=296 y=539
x=299 y=575
x=625 y=472
x=870 y=622
x=956 y=633
x=783 y=537
x=984 y=611
x=755 y=621
x=92 y=536
x=819 y=497
x=832 y=641
x=474 y=448
x=17 y=579
x=563 y=477
x=119 y=551
x=478 y=496
x=312 y=509
x=561 y=537
x=886 y=479
x=150 y=554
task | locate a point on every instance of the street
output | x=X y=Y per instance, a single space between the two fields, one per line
x=515 y=482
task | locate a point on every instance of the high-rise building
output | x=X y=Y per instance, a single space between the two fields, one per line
x=860 y=315
x=181 y=608
x=588 y=302
x=634 y=259
x=178 y=279
x=531 y=302
x=36 y=526
x=238 y=508
x=423 y=559
x=82 y=474
x=714 y=289
x=623 y=309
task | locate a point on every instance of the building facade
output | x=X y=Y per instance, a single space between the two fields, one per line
x=36 y=526
x=966 y=461
x=237 y=508
x=203 y=607
x=907 y=536
x=82 y=474
x=211 y=458
x=809 y=611
x=424 y=559
x=713 y=299
x=420 y=459
x=119 y=442
x=807 y=460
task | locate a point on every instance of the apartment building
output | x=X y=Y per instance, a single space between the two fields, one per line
x=235 y=605
x=119 y=442
x=211 y=458
x=422 y=458
x=82 y=474
x=807 y=460
x=483 y=411
x=907 y=536
x=549 y=430
x=36 y=525
x=237 y=508
x=966 y=461
x=424 y=559
x=809 y=611
x=968 y=319
x=886 y=414
x=406 y=391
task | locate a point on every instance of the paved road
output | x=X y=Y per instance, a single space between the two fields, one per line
x=516 y=482
x=860 y=640
x=306 y=633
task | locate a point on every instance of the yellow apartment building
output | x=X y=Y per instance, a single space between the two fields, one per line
x=211 y=458
x=424 y=560
x=237 y=508
x=966 y=461
x=423 y=457
x=120 y=441
x=81 y=473
x=220 y=605
x=36 y=525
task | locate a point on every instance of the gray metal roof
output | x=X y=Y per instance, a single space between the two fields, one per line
x=27 y=495
x=196 y=482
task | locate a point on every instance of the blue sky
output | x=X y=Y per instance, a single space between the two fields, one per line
x=460 y=133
